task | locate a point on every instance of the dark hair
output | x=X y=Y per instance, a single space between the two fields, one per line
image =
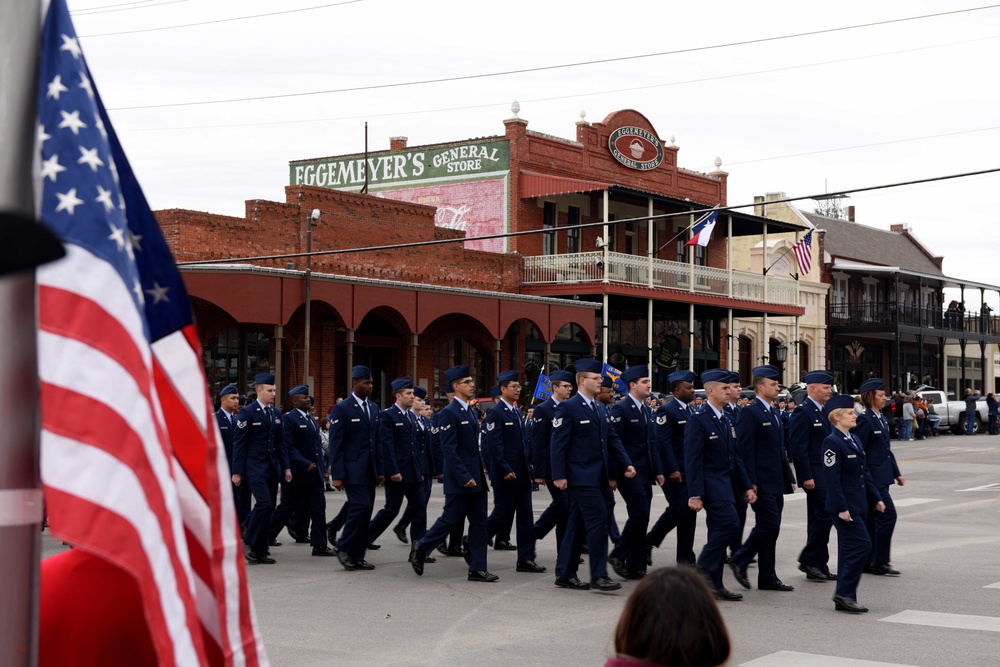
x=868 y=398
x=758 y=381
x=671 y=619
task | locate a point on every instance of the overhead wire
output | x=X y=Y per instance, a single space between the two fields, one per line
x=107 y=9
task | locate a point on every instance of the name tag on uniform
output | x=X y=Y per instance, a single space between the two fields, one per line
x=683 y=422
x=877 y=432
x=224 y=428
x=817 y=424
x=508 y=423
x=303 y=426
x=465 y=422
x=634 y=421
x=713 y=437
x=585 y=421
x=852 y=456
x=398 y=424
x=765 y=423
x=356 y=420
x=255 y=424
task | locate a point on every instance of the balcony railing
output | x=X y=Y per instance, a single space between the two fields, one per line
x=588 y=267
x=884 y=313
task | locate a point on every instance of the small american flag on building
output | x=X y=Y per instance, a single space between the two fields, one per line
x=804 y=253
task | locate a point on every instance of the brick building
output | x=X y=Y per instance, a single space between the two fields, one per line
x=606 y=215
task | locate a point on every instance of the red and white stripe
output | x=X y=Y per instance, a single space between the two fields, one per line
x=803 y=255
x=133 y=466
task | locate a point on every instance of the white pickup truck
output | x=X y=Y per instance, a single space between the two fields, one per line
x=952 y=413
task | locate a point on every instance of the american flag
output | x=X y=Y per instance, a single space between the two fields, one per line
x=804 y=253
x=132 y=463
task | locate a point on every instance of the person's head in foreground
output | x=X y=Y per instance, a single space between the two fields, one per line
x=671 y=619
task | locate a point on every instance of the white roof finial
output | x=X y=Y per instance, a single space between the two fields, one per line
x=515 y=108
x=583 y=115
x=718 y=162
x=673 y=139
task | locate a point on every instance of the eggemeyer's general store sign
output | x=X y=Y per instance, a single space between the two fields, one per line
x=420 y=164
x=636 y=148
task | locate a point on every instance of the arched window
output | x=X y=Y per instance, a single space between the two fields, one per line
x=235 y=355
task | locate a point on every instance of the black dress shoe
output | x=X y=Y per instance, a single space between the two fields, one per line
x=373 y=547
x=841 y=603
x=776 y=585
x=346 y=561
x=302 y=540
x=457 y=552
x=430 y=559
x=400 y=534
x=443 y=549
x=884 y=569
x=869 y=569
x=530 y=566
x=812 y=573
x=618 y=566
x=605 y=584
x=572 y=583
x=830 y=576
x=741 y=575
x=649 y=556
x=584 y=550
x=417 y=559
x=274 y=543
x=726 y=594
x=504 y=546
x=294 y=534
x=632 y=575
x=331 y=534
x=323 y=551
x=466 y=552
x=483 y=576
x=254 y=557
x=363 y=565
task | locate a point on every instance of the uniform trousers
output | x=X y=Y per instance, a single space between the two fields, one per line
x=763 y=539
x=631 y=547
x=425 y=493
x=853 y=547
x=458 y=506
x=881 y=526
x=395 y=492
x=554 y=516
x=819 y=522
x=741 y=514
x=265 y=494
x=295 y=495
x=337 y=522
x=242 y=498
x=353 y=541
x=677 y=515
x=609 y=501
x=588 y=522
x=508 y=502
x=722 y=522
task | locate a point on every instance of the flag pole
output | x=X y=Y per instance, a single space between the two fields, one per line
x=20 y=488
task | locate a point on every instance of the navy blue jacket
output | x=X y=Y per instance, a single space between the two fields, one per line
x=848 y=484
x=807 y=429
x=305 y=446
x=397 y=434
x=760 y=441
x=258 y=445
x=457 y=430
x=428 y=467
x=582 y=442
x=637 y=431
x=873 y=432
x=541 y=438
x=714 y=471
x=671 y=419
x=507 y=441
x=355 y=456
x=227 y=431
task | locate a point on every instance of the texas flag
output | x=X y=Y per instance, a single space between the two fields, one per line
x=701 y=233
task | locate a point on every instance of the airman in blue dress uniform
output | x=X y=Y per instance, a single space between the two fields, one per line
x=510 y=471
x=850 y=491
x=716 y=476
x=873 y=432
x=808 y=427
x=671 y=420
x=557 y=513
x=356 y=465
x=760 y=444
x=428 y=465
x=260 y=456
x=632 y=421
x=229 y=407
x=583 y=448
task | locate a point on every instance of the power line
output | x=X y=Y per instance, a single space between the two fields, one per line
x=467 y=77
x=107 y=9
x=611 y=223
x=226 y=20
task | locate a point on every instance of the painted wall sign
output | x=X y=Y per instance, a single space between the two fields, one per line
x=419 y=164
x=636 y=148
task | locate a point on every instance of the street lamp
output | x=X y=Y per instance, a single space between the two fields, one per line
x=313 y=217
x=781 y=354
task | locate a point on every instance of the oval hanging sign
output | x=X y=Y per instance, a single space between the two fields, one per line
x=636 y=148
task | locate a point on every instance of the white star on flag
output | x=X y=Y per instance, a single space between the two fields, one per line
x=85 y=84
x=135 y=239
x=104 y=197
x=72 y=45
x=89 y=157
x=42 y=136
x=118 y=236
x=55 y=88
x=72 y=121
x=68 y=201
x=51 y=167
x=158 y=293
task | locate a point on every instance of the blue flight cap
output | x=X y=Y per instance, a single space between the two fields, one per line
x=300 y=389
x=312 y=401
x=769 y=372
x=680 y=376
x=607 y=382
x=402 y=383
x=734 y=378
x=229 y=389
x=633 y=373
x=588 y=366
x=872 y=383
x=818 y=377
x=837 y=402
x=456 y=373
x=420 y=392
x=495 y=391
x=715 y=375
x=243 y=400
x=361 y=373
x=507 y=376
x=264 y=378
x=561 y=376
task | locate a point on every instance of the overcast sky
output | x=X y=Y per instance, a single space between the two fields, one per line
x=853 y=108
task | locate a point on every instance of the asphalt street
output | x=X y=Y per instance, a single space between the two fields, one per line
x=943 y=611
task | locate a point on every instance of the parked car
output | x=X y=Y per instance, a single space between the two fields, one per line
x=953 y=413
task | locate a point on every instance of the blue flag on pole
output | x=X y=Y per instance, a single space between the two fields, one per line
x=616 y=377
x=543 y=388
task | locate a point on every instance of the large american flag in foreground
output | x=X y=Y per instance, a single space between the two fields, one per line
x=132 y=463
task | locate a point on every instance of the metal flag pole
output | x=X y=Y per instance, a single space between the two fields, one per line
x=20 y=487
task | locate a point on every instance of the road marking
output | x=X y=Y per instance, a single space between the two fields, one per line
x=795 y=659
x=996 y=585
x=981 y=488
x=939 y=620
x=907 y=502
